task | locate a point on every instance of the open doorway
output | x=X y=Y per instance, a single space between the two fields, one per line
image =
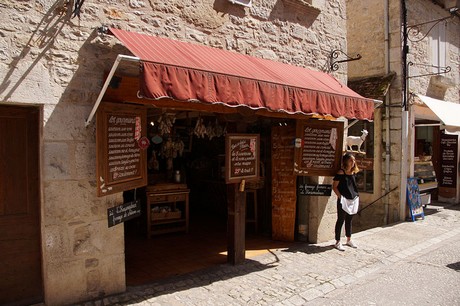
x=183 y=226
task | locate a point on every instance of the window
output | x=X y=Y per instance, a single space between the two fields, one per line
x=438 y=47
x=365 y=160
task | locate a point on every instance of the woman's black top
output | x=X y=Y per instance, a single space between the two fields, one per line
x=347 y=185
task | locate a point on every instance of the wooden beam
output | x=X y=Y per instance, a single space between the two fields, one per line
x=236 y=225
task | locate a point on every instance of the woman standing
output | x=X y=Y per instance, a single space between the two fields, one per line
x=345 y=188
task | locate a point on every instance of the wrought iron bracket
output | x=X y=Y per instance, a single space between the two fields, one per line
x=415 y=29
x=443 y=70
x=103 y=29
x=334 y=63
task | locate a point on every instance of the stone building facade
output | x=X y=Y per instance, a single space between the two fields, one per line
x=375 y=31
x=56 y=64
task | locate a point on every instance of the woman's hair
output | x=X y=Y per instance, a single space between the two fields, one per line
x=345 y=158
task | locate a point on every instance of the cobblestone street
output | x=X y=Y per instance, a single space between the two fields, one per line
x=315 y=274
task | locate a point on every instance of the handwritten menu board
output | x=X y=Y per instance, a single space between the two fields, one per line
x=318 y=147
x=284 y=193
x=448 y=154
x=242 y=157
x=121 y=163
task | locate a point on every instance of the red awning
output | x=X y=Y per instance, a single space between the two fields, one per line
x=186 y=71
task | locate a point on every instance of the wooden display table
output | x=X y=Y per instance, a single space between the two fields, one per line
x=167 y=209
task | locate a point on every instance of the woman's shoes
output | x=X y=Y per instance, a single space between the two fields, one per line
x=351 y=244
x=339 y=246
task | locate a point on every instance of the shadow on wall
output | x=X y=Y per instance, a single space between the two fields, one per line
x=66 y=121
x=295 y=11
x=43 y=37
x=225 y=7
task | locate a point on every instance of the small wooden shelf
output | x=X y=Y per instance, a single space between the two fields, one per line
x=426 y=177
x=176 y=199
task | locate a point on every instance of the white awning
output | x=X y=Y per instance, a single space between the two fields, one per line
x=446 y=112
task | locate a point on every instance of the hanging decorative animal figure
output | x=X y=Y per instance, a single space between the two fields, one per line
x=356 y=141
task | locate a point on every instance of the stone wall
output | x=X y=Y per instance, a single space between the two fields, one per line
x=444 y=86
x=365 y=33
x=366 y=36
x=46 y=58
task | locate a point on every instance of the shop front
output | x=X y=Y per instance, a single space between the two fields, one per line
x=436 y=147
x=210 y=144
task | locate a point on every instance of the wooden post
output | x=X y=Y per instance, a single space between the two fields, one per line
x=236 y=224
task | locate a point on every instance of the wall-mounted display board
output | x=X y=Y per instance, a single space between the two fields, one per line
x=448 y=156
x=318 y=147
x=121 y=163
x=242 y=157
x=284 y=189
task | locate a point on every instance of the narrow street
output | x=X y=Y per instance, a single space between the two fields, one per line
x=408 y=263
x=429 y=277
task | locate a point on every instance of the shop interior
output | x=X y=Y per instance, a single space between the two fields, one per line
x=186 y=167
x=427 y=136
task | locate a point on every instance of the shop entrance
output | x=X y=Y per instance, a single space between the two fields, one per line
x=20 y=255
x=426 y=159
x=186 y=164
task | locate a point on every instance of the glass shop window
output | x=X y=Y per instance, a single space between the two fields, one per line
x=364 y=155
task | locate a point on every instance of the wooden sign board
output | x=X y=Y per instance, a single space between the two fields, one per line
x=123 y=212
x=121 y=163
x=364 y=163
x=315 y=190
x=448 y=154
x=318 y=147
x=241 y=157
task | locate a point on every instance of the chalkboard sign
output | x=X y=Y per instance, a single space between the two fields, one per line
x=414 y=201
x=121 y=163
x=448 y=154
x=123 y=212
x=318 y=147
x=315 y=190
x=241 y=157
x=284 y=189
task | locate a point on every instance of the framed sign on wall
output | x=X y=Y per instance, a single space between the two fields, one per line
x=121 y=157
x=318 y=147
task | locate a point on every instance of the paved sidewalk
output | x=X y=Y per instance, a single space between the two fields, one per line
x=299 y=274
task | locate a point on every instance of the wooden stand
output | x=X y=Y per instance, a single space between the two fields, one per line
x=236 y=225
x=167 y=222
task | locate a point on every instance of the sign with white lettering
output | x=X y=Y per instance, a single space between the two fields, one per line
x=318 y=147
x=449 y=148
x=121 y=162
x=242 y=157
x=315 y=190
x=123 y=212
